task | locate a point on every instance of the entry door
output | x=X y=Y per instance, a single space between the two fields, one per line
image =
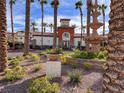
x=66 y=44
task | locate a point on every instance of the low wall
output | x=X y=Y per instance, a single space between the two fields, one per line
x=96 y=64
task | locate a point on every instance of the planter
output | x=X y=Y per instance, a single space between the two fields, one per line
x=53 y=57
x=53 y=69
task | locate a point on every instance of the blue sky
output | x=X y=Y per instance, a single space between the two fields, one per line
x=66 y=10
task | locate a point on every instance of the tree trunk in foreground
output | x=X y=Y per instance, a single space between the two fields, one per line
x=113 y=81
x=3 y=36
x=27 y=28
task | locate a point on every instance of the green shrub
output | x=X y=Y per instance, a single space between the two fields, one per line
x=91 y=55
x=14 y=62
x=42 y=85
x=83 y=54
x=77 y=54
x=16 y=73
x=102 y=55
x=75 y=77
x=87 y=66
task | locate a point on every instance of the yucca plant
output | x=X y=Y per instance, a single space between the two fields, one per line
x=75 y=77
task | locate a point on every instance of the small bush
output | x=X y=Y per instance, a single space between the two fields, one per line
x=63 y=59
x=15 y=73
x=74 y=65
x=14 y=62
x=89 y=91
x=75 y=77
x=20 y=58
x=77 y=54
x=102 y=55
x=35 y=57
x=54 y=51
x=42 y=85
x=87 y=66
x=37 y=68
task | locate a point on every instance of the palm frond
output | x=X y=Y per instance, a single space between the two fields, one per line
x=78 y=4
x=52 y=3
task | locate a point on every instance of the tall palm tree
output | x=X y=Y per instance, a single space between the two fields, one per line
x=113 y=81
x=42 y=2
x=12 y=2
x=3 y=36
x=103 y=8
x=55 y=4
x=33 y=25
x=44 y=26
x=79 y=6
x=27 y=27
x=51 y=27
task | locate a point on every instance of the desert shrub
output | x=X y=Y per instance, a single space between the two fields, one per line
x=75 y=77
x=20 y=58
x=63 y=59
x=37 y=67
x=14 y=62
x=35 y=57
x=87 y=66
x=89 y=91
x=74 y=65
x=15 y=73
x=27 y=57
x=42 y=85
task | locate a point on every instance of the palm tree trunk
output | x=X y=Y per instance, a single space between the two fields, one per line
x=55 y=23
x=42 y=11
x=81 y=15
x=114 y=73
x=104 y=24
x=12 y=25
x=88 y=21
x=27 y=28
x=3 y=36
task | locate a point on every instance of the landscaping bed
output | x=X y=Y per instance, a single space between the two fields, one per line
x=96 y=64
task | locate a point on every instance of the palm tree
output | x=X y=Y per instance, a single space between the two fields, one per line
x=51 y=27
x=55 y=4
x=44 y=26
x=103 y=8
x=27 y=27
x=3 y=36
x=33 y=24
x=79 y=6
x=42 y=2
x=12 y=2
x=113 y=81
